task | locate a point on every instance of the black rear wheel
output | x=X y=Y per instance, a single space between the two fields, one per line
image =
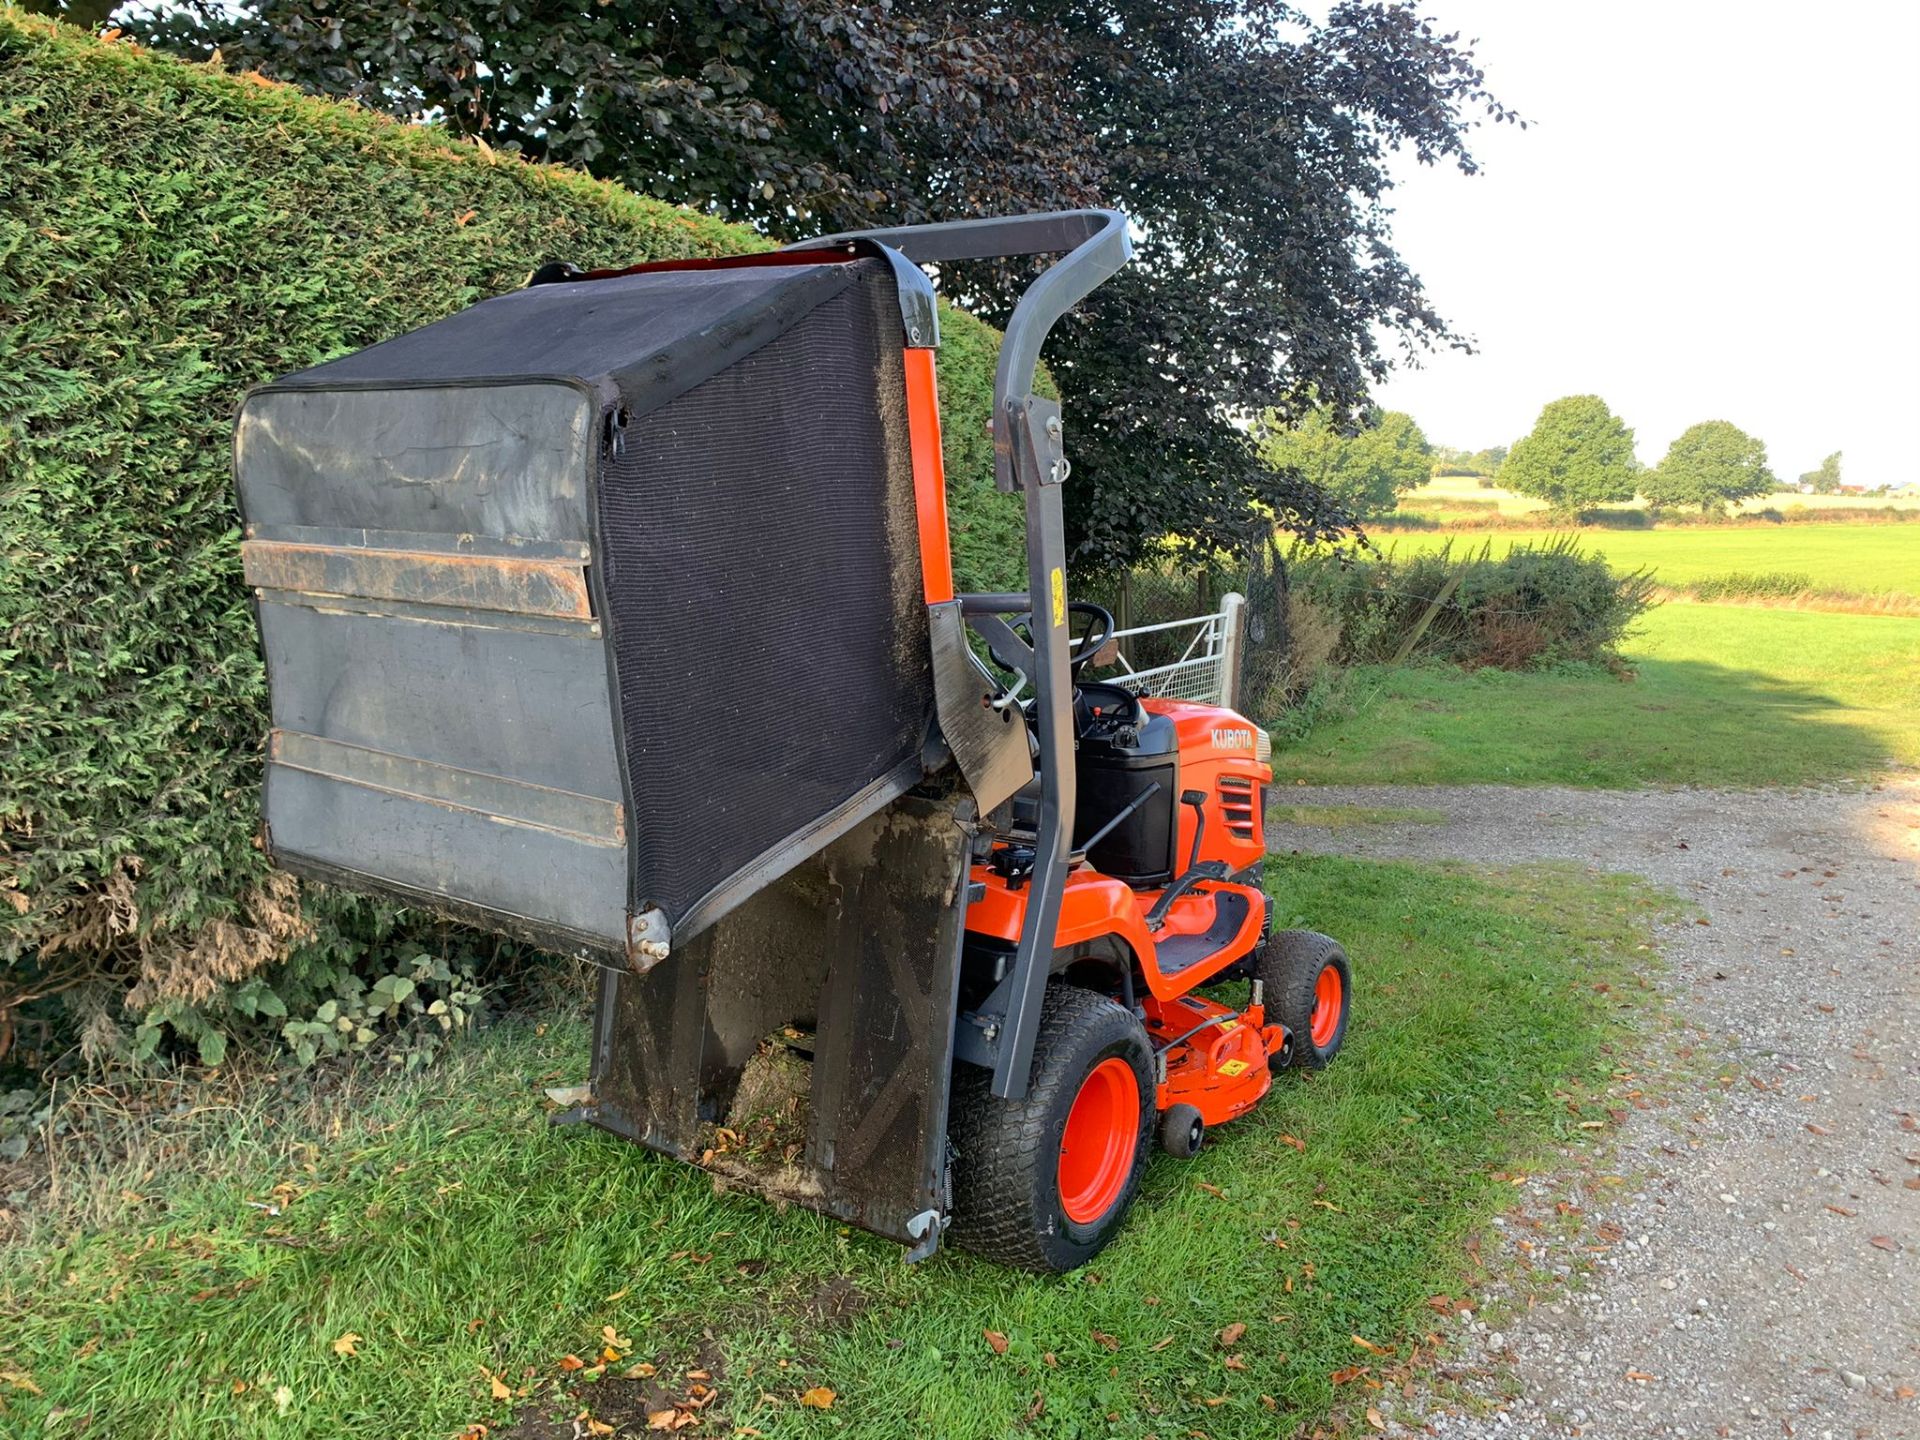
x=1308 y=987
x=1043 y=1183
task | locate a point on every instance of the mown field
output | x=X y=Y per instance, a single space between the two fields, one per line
x=413 y=1257
x=1465 y=491
x=1716 y=695
x=1859 y=559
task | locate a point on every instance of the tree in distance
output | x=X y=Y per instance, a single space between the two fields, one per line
x=1825 y=480
x=1578 y=454
x=1451 y=460
x=1366 y=471
x=1710 y=465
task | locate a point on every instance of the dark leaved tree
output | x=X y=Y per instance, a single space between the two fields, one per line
x=1248 y=141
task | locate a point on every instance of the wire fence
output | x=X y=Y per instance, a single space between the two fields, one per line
x=1179 y=636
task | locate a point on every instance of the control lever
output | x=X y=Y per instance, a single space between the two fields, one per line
x=1197 y=869
x=1198 y=800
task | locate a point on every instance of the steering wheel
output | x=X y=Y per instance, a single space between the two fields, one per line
x=1079 y=650
x=1099 y=631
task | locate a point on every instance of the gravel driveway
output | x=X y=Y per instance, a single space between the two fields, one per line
x=1764 y=1275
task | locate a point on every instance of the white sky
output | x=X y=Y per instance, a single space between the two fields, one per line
x=1714 y=213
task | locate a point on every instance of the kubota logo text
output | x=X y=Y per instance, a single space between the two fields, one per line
x=1226 y=739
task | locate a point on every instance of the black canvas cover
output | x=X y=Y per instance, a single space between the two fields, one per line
x=761 y=567
x=751 y=555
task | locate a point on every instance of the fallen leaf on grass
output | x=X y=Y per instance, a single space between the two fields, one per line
x=663 y=1419
x=614 y=1338
x=1234 y=1362
x=1161 y=1344
x=1366 y=1344
x=642 y=1371
x=995 y=1341
x=1347 y=1373
x=1038 y=1407
x=572 y=1362
x=818 y=1398
x=499 y=1387
x=348 y=1344
x=1884 y=1242
x=1230 y=1335
x=1213 y=1190
x=21 y=1382
x=1295 y=1141
x=619 y=1294
x=1100 y=1337
x=595 y=1427
x=1373 y=1419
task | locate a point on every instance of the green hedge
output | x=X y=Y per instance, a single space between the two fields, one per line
x=170 y=234
x=1546 y=603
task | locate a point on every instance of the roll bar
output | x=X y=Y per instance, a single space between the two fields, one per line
x=1028 y=455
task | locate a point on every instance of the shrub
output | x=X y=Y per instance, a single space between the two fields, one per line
x=170 y=234
x=1545 y=603
x=1751 y=584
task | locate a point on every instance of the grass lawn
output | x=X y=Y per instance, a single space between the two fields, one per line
x=412 y=1257
x=1861 y=559
x=1725 y=695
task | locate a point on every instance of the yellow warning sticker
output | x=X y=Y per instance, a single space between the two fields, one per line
x=1229 y=1024
x=1059 y=596
x=1232 y=1067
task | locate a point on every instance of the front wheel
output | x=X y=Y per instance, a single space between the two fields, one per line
x=1308 y=985
x=1043 y=1183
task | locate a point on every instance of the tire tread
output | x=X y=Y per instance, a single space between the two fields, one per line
x=999 y=1146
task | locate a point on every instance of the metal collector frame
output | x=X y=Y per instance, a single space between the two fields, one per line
x=1029 y=456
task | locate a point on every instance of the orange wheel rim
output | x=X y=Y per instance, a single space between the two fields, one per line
x=1098 y=1145
x=1327 y=998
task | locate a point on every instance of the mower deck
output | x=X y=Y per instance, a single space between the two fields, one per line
x=1213 y=1057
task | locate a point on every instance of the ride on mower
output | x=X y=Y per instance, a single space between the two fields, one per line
x=616 y=613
